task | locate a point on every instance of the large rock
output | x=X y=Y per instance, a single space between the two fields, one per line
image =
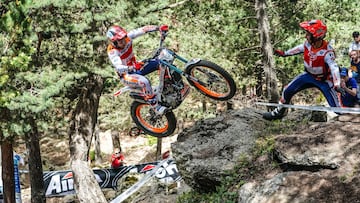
x=211 y=147
x=301 y=186
x=322 y=163
x=316 y=161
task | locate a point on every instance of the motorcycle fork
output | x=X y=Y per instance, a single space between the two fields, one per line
x=163 y=72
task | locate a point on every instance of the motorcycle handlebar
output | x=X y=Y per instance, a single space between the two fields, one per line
x=163 y=33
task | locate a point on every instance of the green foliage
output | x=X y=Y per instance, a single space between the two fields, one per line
x=222 y=28
x=151 y=140
x=50 y=47
x=264 y=145
x=16 y=46
x=220 y=31
x=92 y=155
x=279 y=127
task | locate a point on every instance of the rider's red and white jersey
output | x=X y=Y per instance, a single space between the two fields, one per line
x=121 y=59
x=318 y=62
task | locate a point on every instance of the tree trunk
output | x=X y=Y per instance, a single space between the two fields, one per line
x=158 y=148
x=115 y=139
x=81 y=131
x=204 y=108
x=35 y=164
x=98 y=158
x=267 y=50
x=259 y=78
x=7 y=158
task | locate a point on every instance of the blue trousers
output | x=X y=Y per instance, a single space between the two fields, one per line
x=306 y=80
x=137 y=79
x=149 y=67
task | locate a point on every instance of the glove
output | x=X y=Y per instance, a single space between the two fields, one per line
x=279 y=53
x=340 y=90
x=138 y=65
x=164 y=28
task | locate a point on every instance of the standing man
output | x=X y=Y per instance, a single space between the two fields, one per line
x=321 y=70
x=355 y=45
x=355 y=68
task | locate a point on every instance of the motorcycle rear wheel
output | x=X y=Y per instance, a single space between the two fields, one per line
x=156 y=125
x=213 y=81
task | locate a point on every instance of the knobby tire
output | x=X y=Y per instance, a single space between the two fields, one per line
x=146 y=120
x=223 y=77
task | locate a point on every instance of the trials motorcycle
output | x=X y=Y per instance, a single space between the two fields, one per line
x=207 y=77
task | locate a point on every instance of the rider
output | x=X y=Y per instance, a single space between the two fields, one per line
x=131 y=72
x=321 y=70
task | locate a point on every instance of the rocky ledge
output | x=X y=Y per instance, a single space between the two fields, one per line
x=308 y=161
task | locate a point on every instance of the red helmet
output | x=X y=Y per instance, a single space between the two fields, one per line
x=315 y=27
x=116 y=33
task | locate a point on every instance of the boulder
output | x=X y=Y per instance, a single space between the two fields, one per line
x=311 y=161
x=206 y=151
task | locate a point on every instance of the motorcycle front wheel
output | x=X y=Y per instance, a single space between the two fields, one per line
x=211 y=80
x=156 y=125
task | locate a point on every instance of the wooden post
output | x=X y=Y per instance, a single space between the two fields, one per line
x=98 y=158
x=115 y=139
x=158 y=148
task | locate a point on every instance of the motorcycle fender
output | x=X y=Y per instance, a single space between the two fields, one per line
x=192 y=62
x=137 y=97
x=122 y=90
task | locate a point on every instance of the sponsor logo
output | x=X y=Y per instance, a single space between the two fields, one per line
x=63 y=184
x=169 y=170
x=68 y=176
x=147 y=168
x=58 y=185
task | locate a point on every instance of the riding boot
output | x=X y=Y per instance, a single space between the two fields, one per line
x=158 y=108
x=278 y=113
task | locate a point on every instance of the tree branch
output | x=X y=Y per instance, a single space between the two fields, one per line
x=169 y=6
